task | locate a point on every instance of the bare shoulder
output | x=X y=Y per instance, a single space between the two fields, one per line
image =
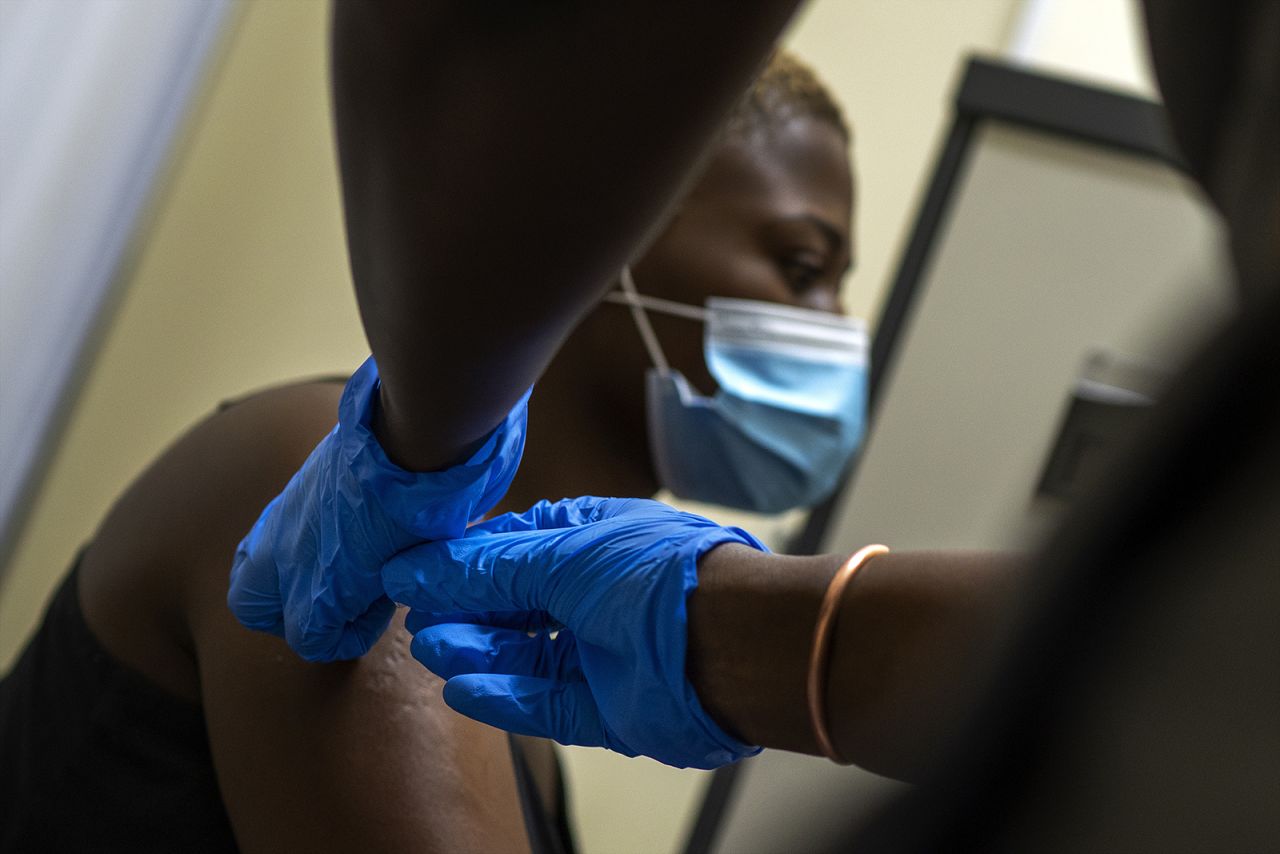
x=360 y=754
x=175 y=529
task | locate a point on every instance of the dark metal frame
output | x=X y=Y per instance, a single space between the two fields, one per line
x=989 y=91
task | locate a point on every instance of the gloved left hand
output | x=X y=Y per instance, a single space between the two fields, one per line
x=614 y=575
x=309 y=570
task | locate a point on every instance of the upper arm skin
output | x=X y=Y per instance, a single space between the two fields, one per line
x=360 y=755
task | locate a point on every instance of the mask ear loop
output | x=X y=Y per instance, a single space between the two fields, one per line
x=642 y=323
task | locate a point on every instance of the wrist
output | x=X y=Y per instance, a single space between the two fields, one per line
x=421 y=505
x=750 y=632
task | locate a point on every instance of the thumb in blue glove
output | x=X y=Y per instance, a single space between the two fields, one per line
x=614 y=576
x=309 y=570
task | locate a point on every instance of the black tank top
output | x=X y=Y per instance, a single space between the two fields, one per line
x=95 y=757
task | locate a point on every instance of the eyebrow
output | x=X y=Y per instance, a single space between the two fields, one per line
x=829 y=231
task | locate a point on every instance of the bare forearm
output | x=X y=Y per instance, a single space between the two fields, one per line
x=914 y=638
x=499 y=165
x=751 y=622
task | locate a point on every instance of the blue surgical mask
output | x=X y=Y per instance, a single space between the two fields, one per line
x=789 y=413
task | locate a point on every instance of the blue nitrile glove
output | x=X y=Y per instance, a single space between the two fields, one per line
x=309 y=570
x=615 y=574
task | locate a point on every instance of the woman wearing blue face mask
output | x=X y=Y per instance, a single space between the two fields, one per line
x=719 y=366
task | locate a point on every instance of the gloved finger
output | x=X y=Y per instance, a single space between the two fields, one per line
x=253 y=591
x=527 y=705
x=454 y=649
x=256 y=610
x=526 y=621
x=565 y=513
x=351 y=641
x=471 y=574
x=542 y=516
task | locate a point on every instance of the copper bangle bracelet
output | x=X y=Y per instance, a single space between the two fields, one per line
x=822 y=646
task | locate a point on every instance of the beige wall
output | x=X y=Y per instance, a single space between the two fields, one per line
x=242 y=281
x=1098 y=41
x=894 y=65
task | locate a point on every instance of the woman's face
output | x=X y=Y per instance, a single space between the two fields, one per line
x=769 y=220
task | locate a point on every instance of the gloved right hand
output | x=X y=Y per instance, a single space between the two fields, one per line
x=309 y=570
x=615 y=574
